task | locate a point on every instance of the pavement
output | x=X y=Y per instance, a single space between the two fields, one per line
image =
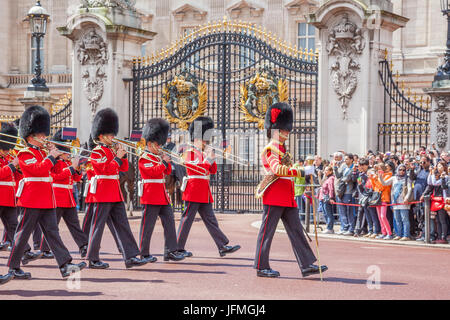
x=357 y=270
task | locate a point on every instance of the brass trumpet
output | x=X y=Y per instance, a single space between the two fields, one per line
x=230 y=157
x=180 y=161
x=138 y=147
x=74 y=147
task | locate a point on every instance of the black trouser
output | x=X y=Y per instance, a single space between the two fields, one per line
x=289 y=216
x=46 y=219
x=441 y=224
x=209 y=219
x=149 y=216
x=87 y=220
x=118 y=214
x=70 y=216
x=361 y=223
x=8 y=216
x=39 y=242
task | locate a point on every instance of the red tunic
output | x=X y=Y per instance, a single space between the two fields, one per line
x=34 y=163
x=197 y=190
x=152 y=167
x=89 y=174
x=107 y=164
x=7 y=181
x=64 y=175
x=282 y=191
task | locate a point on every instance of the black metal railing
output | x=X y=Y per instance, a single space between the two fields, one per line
x=406 y=124
x=61 y=118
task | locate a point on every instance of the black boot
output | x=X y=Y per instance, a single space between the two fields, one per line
x=47 y=255
x=149 y=258
x=83 y=251
x=3 y=246
x=185 y=253
x=134 y=262
x=20 y=274
x=69 y=268
x=174 y=256
x=228 y=249
x=98 y=265
x=6 y=278
x=31 y=256
x=313 y=269
x=267 y=273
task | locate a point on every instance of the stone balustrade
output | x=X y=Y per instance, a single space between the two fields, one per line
x=20 y=80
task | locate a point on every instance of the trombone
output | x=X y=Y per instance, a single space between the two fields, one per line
x=74 y=147
x=138 y=147
x=180 y=161
x=222 y=154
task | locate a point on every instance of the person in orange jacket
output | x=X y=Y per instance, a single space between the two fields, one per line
x=279 y=197
x=107 y=160
x=36 y=198
x=197 y=192
x=154 y=166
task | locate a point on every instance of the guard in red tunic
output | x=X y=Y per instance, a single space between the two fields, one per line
x=197 y=193
x=152 y=189
x=107 y=160
x=87 y=220
x=65 y=174
x=279 y=197
x=35 y=194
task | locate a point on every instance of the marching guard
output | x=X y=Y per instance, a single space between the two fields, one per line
x=35 y=194
x=197 y=194
x=278 y=195
x=87 y=220
x=105 y=188
x=153 y=168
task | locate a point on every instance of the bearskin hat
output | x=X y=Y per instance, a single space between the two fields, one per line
x=105 y=121
x=57 y=137
x=156 y=130
x=10 y=129
x=278 y=117
x=35 y=119
x=206 y=123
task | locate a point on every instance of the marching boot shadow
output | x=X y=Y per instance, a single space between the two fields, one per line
x=180 y=271
x=344 y=280
x=49 y=293
x=208 y=264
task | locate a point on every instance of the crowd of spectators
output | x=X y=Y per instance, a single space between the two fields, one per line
x=379 y=196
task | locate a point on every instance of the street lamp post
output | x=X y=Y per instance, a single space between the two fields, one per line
x=443 y=72
x=38 y=18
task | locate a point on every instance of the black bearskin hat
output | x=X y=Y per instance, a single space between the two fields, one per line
x=35 y=119
x=57 y=137
x=156 y=130
x=8 y=128
x=105 y=121
x=206 y=123
x=278 y=117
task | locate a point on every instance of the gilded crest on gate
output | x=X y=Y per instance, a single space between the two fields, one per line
x=184 y=99
x=259 y=93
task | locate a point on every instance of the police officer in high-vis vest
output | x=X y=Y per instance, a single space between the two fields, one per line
x=197 y=193
x=36 y=198
x=279 y=196
x=154 y=167
x=107 y=160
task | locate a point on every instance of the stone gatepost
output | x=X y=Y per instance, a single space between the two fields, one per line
x=440 y=115
x=106 y=36
x=353 y=36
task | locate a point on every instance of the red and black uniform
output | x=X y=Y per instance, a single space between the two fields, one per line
x=37 y=204
x=156 y=201
x=108 y=202
x=279 y=203
x=198 y=198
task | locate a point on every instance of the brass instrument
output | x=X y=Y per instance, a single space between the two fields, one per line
x=16 y=145
x=222 y=154
x=269 y=179
x=180 y=161
x=74 y=147
x=138 y=147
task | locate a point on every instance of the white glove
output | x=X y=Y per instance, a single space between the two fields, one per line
x=309 y=170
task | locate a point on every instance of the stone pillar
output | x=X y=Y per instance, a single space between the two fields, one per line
x=105 y=40
x=440 y=113
x=353 y=36
x=41 y=98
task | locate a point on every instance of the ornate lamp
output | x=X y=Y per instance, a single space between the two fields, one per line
x=443 y=72
x=38 y=18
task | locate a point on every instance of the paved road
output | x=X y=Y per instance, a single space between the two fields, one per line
x=404 y=272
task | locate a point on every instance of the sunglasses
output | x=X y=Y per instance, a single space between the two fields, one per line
x=401 y=170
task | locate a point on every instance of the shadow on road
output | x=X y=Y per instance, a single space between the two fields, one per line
x=346 y=280
x=50 y=293
x=212 y=264
x=179 y=271
x=108 y=280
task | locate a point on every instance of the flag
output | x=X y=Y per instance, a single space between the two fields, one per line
x=69 y=133
x=135 y=135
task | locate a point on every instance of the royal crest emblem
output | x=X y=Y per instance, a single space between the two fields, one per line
x=184 y=99
x=259 y=93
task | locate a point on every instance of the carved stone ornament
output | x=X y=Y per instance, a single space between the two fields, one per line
x=124 y=4
x=184 y=99
x=93 y=55
x=442 y=122
x=346 y=43
x=259 y=93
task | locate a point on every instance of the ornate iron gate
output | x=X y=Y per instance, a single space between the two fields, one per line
x=406 y=116
x=231 y=72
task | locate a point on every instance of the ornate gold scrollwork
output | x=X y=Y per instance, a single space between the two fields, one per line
x=184 y=99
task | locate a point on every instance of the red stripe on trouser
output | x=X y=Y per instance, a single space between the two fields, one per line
x=21 y=227
x=93 y=228
x=181 y=228
x=262 y=240
x=143 y=228
x=85 y=220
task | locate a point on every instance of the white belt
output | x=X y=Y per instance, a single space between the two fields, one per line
x=86 y=188
x=185 y=180
x=31 y=179
x=144 y=181
x=287 y=178
x=64 y=186
x=94 y=179
x=9 y=183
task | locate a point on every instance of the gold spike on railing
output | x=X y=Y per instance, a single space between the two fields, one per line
x=386 y=54
x=311 y=55
x=409 y=92
x=391 y=66
x=403 y=85
x=305 y=54
x=397 y=76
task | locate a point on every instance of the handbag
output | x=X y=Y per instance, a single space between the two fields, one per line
x=375 y=199
x=364 y=200
x=437 y=203
x=405 y=190
x=447 y=205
